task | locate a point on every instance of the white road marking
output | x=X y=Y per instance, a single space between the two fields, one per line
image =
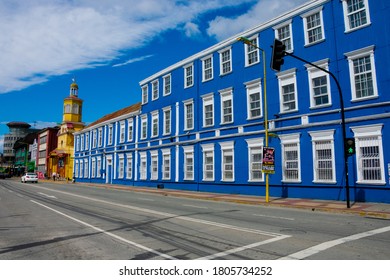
x=326 y=245
x=49 y=196
x=274 y=217
x=107 y=233
x=145 y=199
x=194 y=206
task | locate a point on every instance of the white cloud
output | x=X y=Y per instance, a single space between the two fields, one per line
x=132 y=60
x=222 y=27
x=44 y=38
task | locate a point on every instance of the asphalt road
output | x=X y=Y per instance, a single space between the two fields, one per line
x=47 y=221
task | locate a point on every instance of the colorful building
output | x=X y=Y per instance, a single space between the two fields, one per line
x=204 y=122
x=61 y=159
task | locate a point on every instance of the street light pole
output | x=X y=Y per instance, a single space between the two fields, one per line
x=248 y=42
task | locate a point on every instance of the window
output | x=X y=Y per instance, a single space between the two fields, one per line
x=121 y=169
x=227 y=149
x=93 y=168
x=356 y=14
x=86 y=168
x=87 y=141
x=144 y=127
x=313 y=27
x=207 y=69
x=283 y=32
x=188 y=76
x=154 y=124
x=189 y=114
x=99 y=167
x=167 y=85
x=288 y=91
x=225 y=61
x=323 y=156
x=254 y=102
x=208 y=162
x=143 y=164
x=226 y=106
x=362 y=74
x=251 y=52
x=81 y=175
x=166 y=166
x=369 y=154
x=129 y=167
x=100 y=137
x=130 y=129
x=110 y=134
x=94 y=138
x=122 y=132
x=67 y=109
x=188 y=163
x=82 y=142
x=75 y=109
x=255 y=156
x=208 y=110
x=319 y=85
x=291 y=166
x=144 y=94
x=155 y=92
x=76 y=169
x=167 y=120
x=154 y=165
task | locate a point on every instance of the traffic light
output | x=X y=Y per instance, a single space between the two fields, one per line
x=350 y=146
x=278 y=52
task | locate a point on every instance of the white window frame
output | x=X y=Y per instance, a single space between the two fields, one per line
x=76 y=169
x=144 y=94
x=207 y=68
x=100 y=137
x=251 y=50
x=254 y=87
x=358 y=54
x=87 y=141
x=129 y=166
x=130 y=129
x=94 y=138
x=167 y=85
x=286 y=78
x=98 y=167
x=143 y=166
x=81 y=175
x=93 y=168
x=155 y=124
x=314 y=73
x=255 y=144
x=347 y=15
x=287 y=143
x=121 y=167
x=86 y=169
x=227 y=150
x=208 y=102
x=225 y=62
x=82 y=142
x=167 y=120
x=189 y=119
x=122 y=131
x=154 y=165
x=155 y=90
x=166 y=164
x=226 y=95
x=307 y=30
x=321 y=137
x=110 y=134
x=287 y=40
x=144 y=127
x=362 y=136
x=188 y=75
x=208 y=151
x=188 y=169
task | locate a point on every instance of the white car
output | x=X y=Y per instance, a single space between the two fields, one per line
x=29 y=177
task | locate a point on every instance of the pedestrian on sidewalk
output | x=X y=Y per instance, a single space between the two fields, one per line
x=54 y=175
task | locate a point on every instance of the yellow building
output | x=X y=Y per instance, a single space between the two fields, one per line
x=61 y=158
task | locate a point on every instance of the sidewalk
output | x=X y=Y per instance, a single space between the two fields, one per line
x=367 y=209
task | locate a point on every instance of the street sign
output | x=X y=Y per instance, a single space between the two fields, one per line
x=268 y=160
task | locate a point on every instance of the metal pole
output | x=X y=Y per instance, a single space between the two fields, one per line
x=343 y=128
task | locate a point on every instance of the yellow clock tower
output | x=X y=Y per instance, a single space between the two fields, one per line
x=62 y=156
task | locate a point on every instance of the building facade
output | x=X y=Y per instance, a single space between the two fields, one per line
x=46 y=142
x=61 y=159
x=201 y=125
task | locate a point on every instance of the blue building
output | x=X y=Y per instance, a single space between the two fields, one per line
x=201 y=122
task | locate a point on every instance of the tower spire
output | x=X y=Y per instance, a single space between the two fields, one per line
x=74 y=88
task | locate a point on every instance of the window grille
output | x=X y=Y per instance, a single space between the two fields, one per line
x=291 y=164
x=324 y=161
x=370 y=166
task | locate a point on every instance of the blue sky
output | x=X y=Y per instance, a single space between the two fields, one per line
x=108 y=46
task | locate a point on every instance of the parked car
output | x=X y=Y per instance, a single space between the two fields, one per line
x=3 y=175
x=29 y=177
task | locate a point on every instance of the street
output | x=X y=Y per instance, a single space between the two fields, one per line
x=47 y=221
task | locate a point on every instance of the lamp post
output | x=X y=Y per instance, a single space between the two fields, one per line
x=246 y=41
